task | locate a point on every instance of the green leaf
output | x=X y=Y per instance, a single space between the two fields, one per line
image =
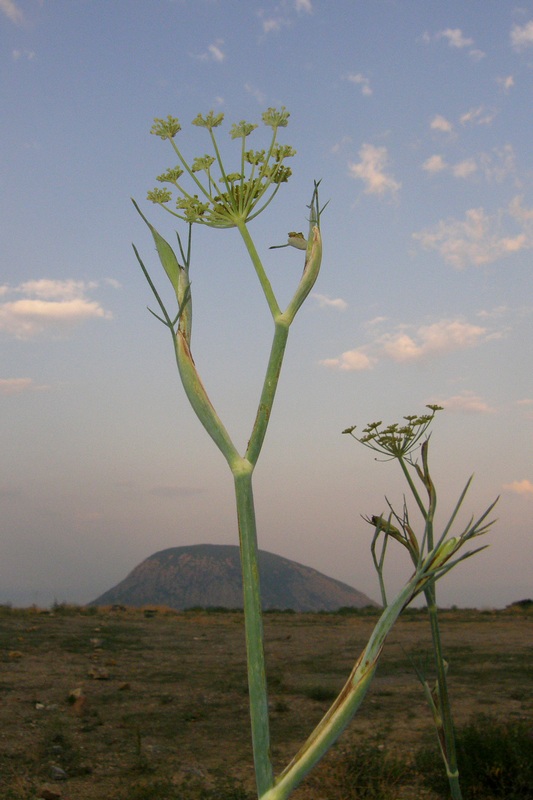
x=165 y=252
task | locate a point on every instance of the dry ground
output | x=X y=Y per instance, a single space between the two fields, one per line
x=114 y=704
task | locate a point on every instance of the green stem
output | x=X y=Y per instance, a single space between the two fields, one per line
x=261 y=274
x=257 y=685
x=446 y=733
x=445 y=727
x=413 y=489
x=270 y=385
x=190 y=172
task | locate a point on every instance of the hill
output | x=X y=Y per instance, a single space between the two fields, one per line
x=209 y=575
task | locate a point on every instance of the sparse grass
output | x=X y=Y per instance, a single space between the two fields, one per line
x=176 y=681
x=368 y=772
x=495 y=761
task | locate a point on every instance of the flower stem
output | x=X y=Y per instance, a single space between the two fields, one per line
x=257 y=685
x=270 y=385
x=444 y=723
x=261 y=274
x=445 y=730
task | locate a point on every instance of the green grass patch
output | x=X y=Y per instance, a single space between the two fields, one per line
x=495 y=761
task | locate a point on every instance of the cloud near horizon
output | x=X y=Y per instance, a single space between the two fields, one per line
x=328 y=302
x=406 y=344
x=48 y=306
x=467 y=402
x=12 y=386
x=523 y=487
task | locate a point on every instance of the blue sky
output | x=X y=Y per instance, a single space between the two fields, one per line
x=417 y=116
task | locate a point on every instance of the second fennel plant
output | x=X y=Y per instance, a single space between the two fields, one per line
x=400 y=442
x=203 y=192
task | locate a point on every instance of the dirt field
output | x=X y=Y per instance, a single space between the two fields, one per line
x=117 y=705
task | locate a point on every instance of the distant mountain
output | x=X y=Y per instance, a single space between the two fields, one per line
x=209 y=575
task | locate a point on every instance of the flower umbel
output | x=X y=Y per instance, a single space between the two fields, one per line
x=233 y=197
x=398 y=440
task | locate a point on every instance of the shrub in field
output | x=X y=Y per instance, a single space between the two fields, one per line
x=495 y=761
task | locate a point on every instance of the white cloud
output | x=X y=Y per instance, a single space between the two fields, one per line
x=276 y=21
x=494 y=313
x=498 y=164
x=113 y=282
x=455 y=38
x=215 y=51
x=434 y=164
x=480 y=238
x=477 y=116
x=12 y=11
x=48 y=305
x=464 y=168
x=440 y=123
x=257 y=93
x=468 y=402
x=522 y=36
x=272 y=24
x=371 y=170
x=495 y=166
x=29 y=55
x=439 y=337
x=350 y=361
x=506 y=83
x=47 y=289
x=10 y=386
x=327 y=302
x=519 y=487
x=407 y=344
x=338 y=146
x=360 y=80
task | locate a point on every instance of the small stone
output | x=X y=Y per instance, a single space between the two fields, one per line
x=99 y=674
x=58 y=774
x=75 y=694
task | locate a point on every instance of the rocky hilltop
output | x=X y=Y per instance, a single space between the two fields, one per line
x=209 y=575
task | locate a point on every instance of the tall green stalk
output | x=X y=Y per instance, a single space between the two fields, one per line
x=444 y=717
x=253 y=620
x=241 y=198
x=398 y=442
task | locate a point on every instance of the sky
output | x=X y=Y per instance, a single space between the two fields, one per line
x=416 y=115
